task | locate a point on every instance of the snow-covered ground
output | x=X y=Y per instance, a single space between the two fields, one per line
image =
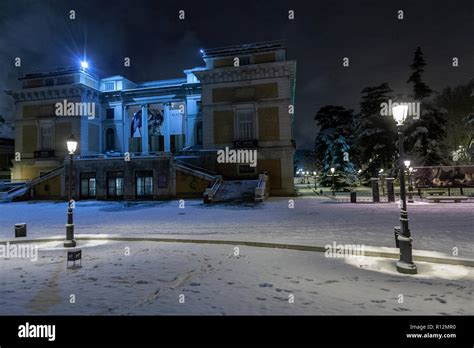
x=435 y=226
x=153 y=278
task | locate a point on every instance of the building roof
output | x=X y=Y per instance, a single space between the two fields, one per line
x=58 y=72
x=246 y=48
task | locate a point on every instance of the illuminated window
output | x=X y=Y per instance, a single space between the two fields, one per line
x=144 y=184
x=88 y=185
x=115 y=184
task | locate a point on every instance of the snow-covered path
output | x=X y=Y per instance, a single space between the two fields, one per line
x=181 y=278
x=437 y=227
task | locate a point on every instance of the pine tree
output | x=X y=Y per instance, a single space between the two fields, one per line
x=459 y=104
x=334 y=145
x=376 y=133
x=424 y=137
x=420 y=89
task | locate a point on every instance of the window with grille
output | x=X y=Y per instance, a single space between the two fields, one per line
x=109 y=86
x=144 y=184
x=88 y=185
x=114 y=184
x=46 y=137
x=244 y=60
x=245 y=124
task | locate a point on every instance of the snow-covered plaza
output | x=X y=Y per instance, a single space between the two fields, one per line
x=149 y=277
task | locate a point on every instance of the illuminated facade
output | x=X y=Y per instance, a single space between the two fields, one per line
x=158 y=139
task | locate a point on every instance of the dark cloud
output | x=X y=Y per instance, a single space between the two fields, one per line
x=379 y=46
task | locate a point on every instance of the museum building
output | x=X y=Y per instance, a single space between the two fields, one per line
x=159 y=139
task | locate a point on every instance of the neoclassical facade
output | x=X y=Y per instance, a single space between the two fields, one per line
x=158 y=139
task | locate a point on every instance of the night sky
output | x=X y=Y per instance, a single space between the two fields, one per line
x=380 y=47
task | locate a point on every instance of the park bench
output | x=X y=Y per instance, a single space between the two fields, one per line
x=438 y=199
x=436 y=193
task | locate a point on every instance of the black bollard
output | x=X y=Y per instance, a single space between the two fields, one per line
x=390 y=190
x=375 y=190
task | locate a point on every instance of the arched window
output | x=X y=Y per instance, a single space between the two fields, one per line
x=109 y=140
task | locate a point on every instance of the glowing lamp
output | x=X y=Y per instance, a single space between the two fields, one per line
x=400 y=113
x=71 y=144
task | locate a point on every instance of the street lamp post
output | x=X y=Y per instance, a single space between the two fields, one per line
x=333 y=181
x=70 y=242
x=410 y=188
x=405 y=264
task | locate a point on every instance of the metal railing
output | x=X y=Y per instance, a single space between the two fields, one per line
x=211 y=192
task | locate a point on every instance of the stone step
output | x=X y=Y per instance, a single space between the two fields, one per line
x=236 y=190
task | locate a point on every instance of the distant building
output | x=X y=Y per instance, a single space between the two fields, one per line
x=158 y=139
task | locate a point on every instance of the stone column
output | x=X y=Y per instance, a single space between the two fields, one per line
x=126 y=129
x=375 y=190
x=145 y=128
x=166 y=126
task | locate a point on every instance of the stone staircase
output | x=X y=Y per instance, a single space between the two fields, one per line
x=236 y=191
x=10 y=191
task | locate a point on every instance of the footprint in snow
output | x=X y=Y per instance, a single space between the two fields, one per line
x=265 y=285
x=331 y=281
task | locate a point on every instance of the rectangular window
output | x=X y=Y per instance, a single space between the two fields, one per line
x=144 y=184
x=245 y=124
x=110 y=113
x=244 y=60
x=46 y=137
x=115 y=184
x=88 y=185
x=109 y=86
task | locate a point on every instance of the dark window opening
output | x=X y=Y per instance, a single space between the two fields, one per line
x=110 y=113
x=162 y=181
x=199 y=133
x=110 y=140
x=244 y=60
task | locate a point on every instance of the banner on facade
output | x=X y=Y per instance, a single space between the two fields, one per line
x=444 y=176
